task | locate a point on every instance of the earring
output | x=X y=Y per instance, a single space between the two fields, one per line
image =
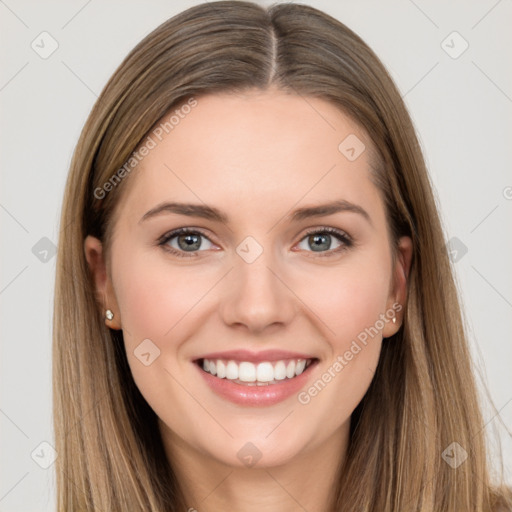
x=108 y=314
x=394 y=320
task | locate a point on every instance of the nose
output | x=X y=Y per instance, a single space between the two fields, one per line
x=256 y=295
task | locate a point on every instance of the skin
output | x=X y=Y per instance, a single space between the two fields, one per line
x=257 y=157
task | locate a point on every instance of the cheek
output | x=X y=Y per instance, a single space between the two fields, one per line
x=350 y=299
x=154 y=296
x=156 y=302
x=350 y=306
x=163 y=303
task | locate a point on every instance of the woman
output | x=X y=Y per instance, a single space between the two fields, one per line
x=254 y=306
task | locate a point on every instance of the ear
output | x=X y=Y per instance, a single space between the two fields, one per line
x=103 y=284
x=398 y=293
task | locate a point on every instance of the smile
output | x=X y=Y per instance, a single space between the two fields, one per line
x=250 y=374
x=261 y=384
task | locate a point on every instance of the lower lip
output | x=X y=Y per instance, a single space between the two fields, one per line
x=257 y=396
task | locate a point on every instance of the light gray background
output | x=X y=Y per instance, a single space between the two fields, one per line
x=461 y=107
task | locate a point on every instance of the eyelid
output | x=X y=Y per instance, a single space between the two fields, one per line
x=328 y=229
x=341 y=235
x=169 y=235
x=180 y=231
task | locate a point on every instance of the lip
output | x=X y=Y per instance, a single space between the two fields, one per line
x=255 y=357
x=257 y=396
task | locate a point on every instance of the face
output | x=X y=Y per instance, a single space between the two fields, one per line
x=257 y=271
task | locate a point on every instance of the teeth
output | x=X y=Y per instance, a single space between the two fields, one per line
x=264 y=372
x=298 y=369
x=290 y=370
x=221 y=369
x=260 y=374
x=280 y=371
x=232 y=370
x=247 y=372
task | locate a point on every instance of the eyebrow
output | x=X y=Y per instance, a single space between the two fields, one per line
x=214 y=214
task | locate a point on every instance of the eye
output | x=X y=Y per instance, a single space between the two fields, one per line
x=321 y=241
x=187 y=242
x=184 y=240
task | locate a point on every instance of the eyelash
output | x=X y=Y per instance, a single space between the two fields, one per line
x=345 y=239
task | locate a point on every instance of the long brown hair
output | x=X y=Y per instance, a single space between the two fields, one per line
x=423 y=396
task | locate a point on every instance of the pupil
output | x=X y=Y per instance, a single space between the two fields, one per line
x=319 y=238
x=191 y=241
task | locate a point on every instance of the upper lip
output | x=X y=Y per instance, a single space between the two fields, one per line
x=255 y=357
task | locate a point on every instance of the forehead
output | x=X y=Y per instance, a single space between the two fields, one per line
x=252 y=149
